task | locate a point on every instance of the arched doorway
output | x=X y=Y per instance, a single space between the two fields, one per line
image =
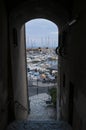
x=18 y=18
x=42 y=67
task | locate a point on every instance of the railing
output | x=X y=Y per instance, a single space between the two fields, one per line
x=20 y=106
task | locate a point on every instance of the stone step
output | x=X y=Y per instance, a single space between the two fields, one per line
x=39 y=125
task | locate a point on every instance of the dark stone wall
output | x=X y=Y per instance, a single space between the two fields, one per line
x=3 y=67
x=73 y=65
x=19 y=77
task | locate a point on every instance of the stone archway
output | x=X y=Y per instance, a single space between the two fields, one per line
x=22 y=13
x=43 y=33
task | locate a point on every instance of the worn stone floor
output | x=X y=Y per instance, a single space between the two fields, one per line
x=39 y=125
x=42 y=116
x=40 y=108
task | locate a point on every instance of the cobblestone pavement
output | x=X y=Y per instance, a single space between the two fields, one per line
x=39 y=125
x=39 y=109
x=42 y=117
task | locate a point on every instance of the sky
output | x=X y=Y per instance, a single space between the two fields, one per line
x=41 y=33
